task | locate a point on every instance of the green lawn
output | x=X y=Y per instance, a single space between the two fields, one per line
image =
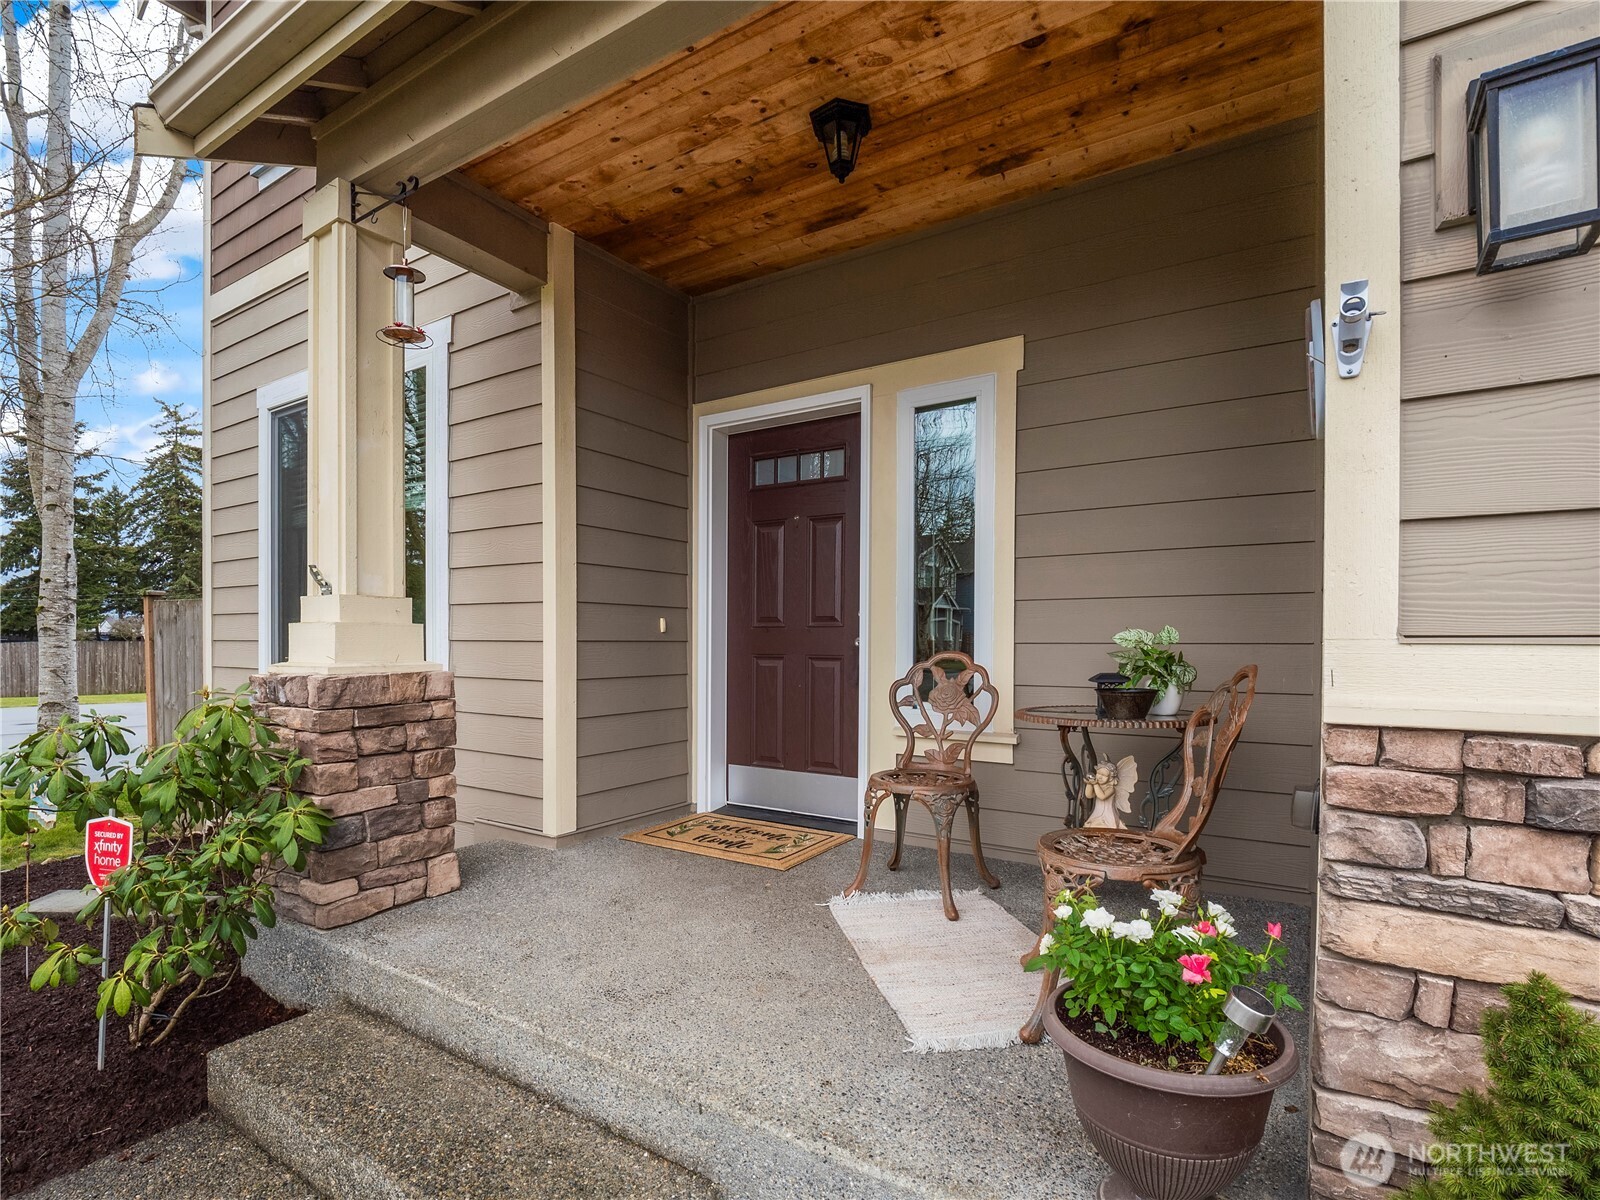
x=64 y=841
x=30 y=701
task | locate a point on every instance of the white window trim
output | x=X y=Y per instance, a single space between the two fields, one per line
x=280 y=393
x=982 y=388
x=435 y=359
x=267 y=174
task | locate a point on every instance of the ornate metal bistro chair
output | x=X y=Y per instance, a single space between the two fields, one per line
x=1164 y=856
x=950 y=710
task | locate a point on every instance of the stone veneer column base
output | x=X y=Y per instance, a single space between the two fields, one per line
x=382 y=755
x=1451 y=862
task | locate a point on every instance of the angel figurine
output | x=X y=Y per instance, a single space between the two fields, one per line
x=1109 y=787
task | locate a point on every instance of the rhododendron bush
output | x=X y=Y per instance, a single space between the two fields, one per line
x=1164 y=977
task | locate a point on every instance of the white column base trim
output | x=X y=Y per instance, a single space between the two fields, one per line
x=349 y=634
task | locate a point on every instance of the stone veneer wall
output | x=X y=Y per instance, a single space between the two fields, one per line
x=382 y=752
x=1450 y=863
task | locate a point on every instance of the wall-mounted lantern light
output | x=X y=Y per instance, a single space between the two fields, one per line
x=840 y=125
x=1535 y=172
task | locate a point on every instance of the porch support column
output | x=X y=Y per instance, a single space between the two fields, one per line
x=559 y=494
x=355 y=474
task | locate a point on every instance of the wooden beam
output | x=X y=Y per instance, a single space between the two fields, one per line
x=455 y=218
x=468 y=8
x=513 y=67
x=297 y=108
x=342 y=74
x=269 y=143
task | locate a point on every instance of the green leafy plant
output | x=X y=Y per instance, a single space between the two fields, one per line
x=1535 y=1133
x=1147 y=661
x=1164 y=978
x=216 y=817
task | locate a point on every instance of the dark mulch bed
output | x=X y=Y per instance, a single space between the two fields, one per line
x=1133 y=1046
x=56 y=1112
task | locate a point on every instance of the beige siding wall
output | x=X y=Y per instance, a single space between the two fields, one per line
x=252 y=225
x=250 y=347
x=1500 y=383
x=495 y=625
x=1164 y=469
x=495 y=544
x=632 y=346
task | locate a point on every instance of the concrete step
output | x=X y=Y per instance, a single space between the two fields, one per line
x=204 y=1157
x=363 y=1110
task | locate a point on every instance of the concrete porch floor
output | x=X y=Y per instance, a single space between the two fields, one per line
x=715 y=1013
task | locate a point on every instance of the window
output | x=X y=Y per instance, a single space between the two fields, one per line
x=946 y=547
x=810 y=466
x=425 y=488
x=266 y=175
x=282 y=462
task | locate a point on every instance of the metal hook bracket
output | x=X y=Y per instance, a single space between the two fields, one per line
x=404 y=190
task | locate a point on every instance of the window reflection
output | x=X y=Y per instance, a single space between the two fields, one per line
x=945 y=482
x=415 y=462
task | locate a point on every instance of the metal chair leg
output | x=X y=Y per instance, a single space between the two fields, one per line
x=901 y=803
x=987 y=875
x=870 y=803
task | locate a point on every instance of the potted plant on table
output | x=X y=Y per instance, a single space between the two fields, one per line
x=1155 y=1021
x=1150 y=662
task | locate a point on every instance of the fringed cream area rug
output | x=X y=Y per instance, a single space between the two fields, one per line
x=955 y=985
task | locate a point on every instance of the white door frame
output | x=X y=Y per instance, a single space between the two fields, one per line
x=712 y=432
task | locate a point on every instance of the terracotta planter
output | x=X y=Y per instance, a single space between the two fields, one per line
x=1165 y=1135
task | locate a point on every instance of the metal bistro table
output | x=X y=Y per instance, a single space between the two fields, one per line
x=1080 y=719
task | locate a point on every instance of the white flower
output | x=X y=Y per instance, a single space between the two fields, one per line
x=1098 y=919
x=1188 y=933
x=1144 y=914
x=1221 y=918
x=1134 y=931
x=1046 y=942
x=1168 y=901
x=1063 y=912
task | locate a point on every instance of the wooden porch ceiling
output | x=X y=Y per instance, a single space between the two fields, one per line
x=704 y=170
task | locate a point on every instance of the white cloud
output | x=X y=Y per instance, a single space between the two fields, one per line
x=156 y=378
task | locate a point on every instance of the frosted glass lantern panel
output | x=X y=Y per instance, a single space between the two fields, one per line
x=1547 y=147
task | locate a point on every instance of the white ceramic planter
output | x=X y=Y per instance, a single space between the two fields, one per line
x=1167 y=703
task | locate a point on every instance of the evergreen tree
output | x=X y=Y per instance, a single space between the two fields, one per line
x=19 y=547
x=167 y=499
x=1535 y=1134
x=110 y=551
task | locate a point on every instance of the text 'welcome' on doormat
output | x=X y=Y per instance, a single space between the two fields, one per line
x=760 y=843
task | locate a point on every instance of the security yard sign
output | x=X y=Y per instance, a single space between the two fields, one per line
x=107 y=848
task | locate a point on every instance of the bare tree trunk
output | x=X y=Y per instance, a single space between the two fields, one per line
x=52 y=436
x=67 y=274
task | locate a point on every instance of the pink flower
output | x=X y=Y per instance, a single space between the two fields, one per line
x=1205 y=927
x=1275 y=930
x=1196 y=967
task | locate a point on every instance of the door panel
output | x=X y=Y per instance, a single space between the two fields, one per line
x=794 y=606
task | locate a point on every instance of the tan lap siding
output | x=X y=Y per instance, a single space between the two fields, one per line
x=633 y=544
x=495 y=547
x=1500 y=419
x=1164 y=469
x=250 y=347
x=252 y=225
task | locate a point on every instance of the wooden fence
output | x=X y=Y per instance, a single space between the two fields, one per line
x=176 y=665
x=104 y=668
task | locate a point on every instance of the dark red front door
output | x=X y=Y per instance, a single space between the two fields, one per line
x=794 y=528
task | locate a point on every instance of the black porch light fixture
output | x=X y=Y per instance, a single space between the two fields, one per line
x=1535 y=173
x=840 y=125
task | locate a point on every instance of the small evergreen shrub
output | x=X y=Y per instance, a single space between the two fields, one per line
x=1535 y=1134
x=217 y=815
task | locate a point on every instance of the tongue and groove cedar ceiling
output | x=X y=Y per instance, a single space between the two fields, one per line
x=704 y=172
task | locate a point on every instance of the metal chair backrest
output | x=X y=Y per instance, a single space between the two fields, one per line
x=1208 y=742
x=950 y=701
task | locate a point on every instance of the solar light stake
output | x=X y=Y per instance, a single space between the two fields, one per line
x=1248 y=1012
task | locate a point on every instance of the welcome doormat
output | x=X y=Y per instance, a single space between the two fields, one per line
x=760 y=843
x=955 y=985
